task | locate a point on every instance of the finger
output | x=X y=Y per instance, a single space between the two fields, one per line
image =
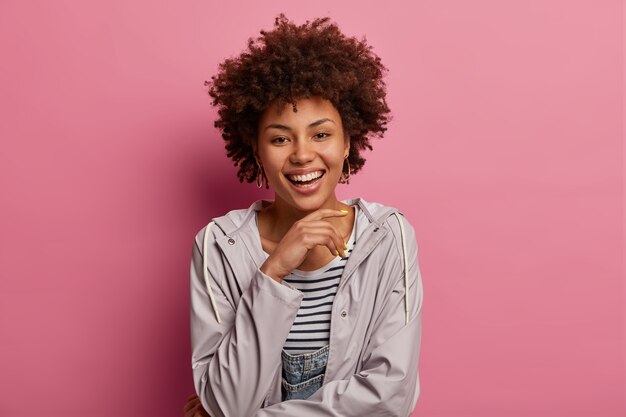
x=201 y=412
x=189 y=407
x=324 y=227
x=196 y=411
x=324 y=238
x=191 y=402
x=323 y=213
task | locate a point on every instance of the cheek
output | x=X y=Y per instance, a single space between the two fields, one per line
x=335 y=158
x=271 y=163
x=335 y=165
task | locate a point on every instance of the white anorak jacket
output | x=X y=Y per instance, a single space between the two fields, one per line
x=240 y=319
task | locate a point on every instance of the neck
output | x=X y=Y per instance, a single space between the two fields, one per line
x=280 y=215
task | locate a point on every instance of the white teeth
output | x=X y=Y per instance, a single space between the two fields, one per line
x=308 y=177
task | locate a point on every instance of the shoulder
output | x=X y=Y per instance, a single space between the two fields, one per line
x=400 y=226
x=208 y=234
x=389 y=217
x=206 y=252
x=226 y=224
x=401 y=233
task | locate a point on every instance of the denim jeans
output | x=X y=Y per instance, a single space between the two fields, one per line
x=303 y=374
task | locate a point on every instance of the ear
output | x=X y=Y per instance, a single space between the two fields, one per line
x=346 y=144
x=255 y=152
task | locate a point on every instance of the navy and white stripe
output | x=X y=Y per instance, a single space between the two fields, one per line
x=311 y=329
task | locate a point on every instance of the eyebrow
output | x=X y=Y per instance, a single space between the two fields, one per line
x=283 y=127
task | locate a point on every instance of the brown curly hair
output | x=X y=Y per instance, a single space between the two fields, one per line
x=293 y=62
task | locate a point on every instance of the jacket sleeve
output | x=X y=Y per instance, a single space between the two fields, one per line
x=388 y=383
x=234 y=361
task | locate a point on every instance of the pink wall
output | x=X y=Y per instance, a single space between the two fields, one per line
x=506 y=153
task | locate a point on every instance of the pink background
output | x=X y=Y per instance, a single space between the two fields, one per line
x=506 y=153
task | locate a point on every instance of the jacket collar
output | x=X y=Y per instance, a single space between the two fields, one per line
x=235 y=221
x=238 y=229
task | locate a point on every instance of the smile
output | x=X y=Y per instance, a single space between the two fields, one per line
x=306 y=182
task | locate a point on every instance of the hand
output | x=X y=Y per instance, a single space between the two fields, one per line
x=193 y=407
x=304 y=235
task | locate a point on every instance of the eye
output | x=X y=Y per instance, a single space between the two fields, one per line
x=322 y=135
x=279 y=140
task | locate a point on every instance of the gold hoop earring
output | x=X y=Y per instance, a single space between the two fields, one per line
x=345 y=179
x=259 y=180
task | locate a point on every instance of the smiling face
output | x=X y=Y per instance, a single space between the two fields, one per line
x=302 y=153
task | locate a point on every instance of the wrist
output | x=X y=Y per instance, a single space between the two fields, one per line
x=271 y=271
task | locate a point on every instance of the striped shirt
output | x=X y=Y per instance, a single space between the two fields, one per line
x=311 y=329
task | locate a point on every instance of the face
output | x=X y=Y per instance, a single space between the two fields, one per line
x=302 y=153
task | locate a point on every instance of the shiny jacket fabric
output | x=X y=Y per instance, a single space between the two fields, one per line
x=372 y=368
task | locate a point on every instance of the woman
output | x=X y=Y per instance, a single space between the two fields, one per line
x=304 y=305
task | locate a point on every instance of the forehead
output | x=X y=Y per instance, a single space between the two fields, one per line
x=308 y=110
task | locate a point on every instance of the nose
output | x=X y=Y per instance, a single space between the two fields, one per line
x=303 y=152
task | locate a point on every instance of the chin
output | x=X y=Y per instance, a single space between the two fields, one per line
x=312 y=203
x=307 y=207
x=306 y=203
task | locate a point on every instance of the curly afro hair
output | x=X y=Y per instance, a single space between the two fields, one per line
x=294 y=62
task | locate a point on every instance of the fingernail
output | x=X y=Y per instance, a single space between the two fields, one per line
x=345 y=245
x=344 y=211
x=337 y=252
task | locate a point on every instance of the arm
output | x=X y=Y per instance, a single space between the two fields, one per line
x=234 y=361
x=388 y=383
